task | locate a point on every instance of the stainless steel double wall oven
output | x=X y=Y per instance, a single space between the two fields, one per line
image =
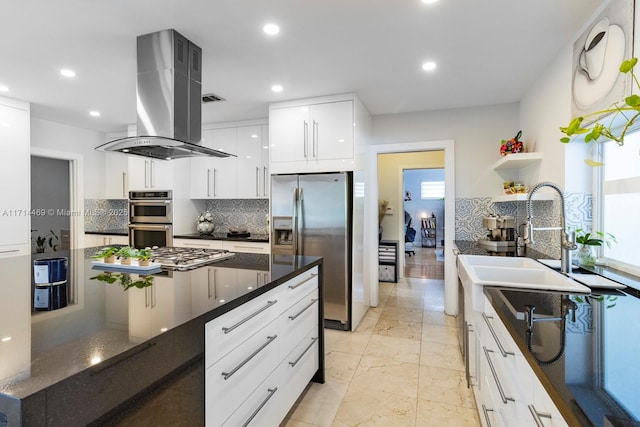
x=150 y=218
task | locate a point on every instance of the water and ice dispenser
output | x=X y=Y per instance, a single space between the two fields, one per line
x=283 y=234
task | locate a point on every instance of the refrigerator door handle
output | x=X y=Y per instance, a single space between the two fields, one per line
x=294 y=217
x=300 y=224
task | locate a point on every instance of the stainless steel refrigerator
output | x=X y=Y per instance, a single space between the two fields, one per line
x=311 y=215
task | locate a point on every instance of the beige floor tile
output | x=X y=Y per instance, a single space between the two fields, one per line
x=439 y=333
x=398 y=328
x=434 y=414
x=387 y=375
x=340 y=367
x=345 y=341
x=408 y=302
x=368 y=323
x=320 y=403
x=444 y=386
x=438 y=317
x=400 y=349
x=370 y=408
x=441 y=355
x=402 y=313
x=296 y=423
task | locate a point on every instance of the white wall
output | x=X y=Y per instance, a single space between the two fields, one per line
x=59 y=137
x=477 y=133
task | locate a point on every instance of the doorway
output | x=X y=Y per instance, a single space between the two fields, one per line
x=373 y=208
x=423 y=206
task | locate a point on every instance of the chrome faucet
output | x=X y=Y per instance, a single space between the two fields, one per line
x=567 y=240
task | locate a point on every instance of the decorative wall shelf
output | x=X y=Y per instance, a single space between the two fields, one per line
x=517 y=161
x=521 y=197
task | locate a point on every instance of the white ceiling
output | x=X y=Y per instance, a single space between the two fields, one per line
x=488 y=52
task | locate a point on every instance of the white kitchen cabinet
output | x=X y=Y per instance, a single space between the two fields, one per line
x=245 y=176
x=149 y=174
x=252 y=173
x=159 y=307
x=93 y=240
x=314 y=136
x=246 y=247
x=260 y=356
x=198 y=243
x=15 y=177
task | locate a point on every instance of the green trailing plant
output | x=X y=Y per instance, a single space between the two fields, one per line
x=42 y=241
x=607 y=126
x=143 y=254
x=609 y=300
x=125 y=279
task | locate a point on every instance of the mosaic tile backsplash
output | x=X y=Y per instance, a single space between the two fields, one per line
x=105 y=215
x=240 y=213
x=470 y=211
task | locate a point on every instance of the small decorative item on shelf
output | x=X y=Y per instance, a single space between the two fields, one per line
x=205 y=223
x=108 y=254
x=514 y=145
x=587 y=242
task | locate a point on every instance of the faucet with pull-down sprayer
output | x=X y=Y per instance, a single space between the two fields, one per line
x=567 y=240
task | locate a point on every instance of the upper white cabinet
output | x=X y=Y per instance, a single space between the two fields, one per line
x=245 y=176
x=124 y=173
x=15 y=177
x=314 y=135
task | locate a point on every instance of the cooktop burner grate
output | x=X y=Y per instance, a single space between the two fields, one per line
x=173 y=258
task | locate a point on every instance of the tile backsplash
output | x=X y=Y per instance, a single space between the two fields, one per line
x=105 y=215
x=251 y=214
x=470 y=211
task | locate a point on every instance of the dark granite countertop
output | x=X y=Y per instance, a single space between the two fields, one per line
x=594 y=381
x=103 y=325
x=117 y=232
x=261 y=238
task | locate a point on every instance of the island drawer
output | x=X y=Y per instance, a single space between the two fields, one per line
x=226 y=332
x=231 y=380
x=296 y=322
x=295 y=289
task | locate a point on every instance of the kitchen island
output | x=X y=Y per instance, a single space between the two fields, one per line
x=80 y=363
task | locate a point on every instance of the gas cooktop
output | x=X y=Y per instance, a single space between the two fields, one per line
x=172 y=258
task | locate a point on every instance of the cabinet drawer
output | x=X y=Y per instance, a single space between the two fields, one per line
x=298 y=367
x=296 y=288
x=198 y=243
x=231 y=380
x=248 y=247
x=229 y=330
x=495 y=332
x=386 y=273
x=296 y=322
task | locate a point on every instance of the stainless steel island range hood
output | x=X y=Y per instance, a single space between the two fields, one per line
x=169 y=105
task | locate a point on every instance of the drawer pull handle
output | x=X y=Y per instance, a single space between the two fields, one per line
x=303 y=282
x=295 y=362
x=313 y=301
x=228 y=375
x=249 y=317
x=495 y=377
x=536 y=415
x=9 y=251
x=486 y=411
x=495 y=337
x=271 y=391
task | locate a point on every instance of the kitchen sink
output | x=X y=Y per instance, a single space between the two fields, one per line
x=477 y=271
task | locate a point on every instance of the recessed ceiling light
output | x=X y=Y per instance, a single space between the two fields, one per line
x=277 y=88
x=94 y=113
x=429 y=66
x=67 y=73
x=6 y=339
x=4 y=88
x=429 y=1
x=271 y=29
x=253 y=135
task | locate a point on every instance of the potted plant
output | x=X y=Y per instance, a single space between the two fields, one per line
x=143 y=256
x=588 y=241
x=620 y=117
x=108 y=254
x=125 y=254
x=41 y=241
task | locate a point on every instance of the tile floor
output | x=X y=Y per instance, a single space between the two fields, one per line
x=402 y=367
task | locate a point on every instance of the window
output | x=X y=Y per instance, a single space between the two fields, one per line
x=432 y=190
x=619 y=204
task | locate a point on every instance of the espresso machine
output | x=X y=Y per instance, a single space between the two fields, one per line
x=501 y=232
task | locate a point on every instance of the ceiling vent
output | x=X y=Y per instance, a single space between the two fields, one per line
x=211 y=97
